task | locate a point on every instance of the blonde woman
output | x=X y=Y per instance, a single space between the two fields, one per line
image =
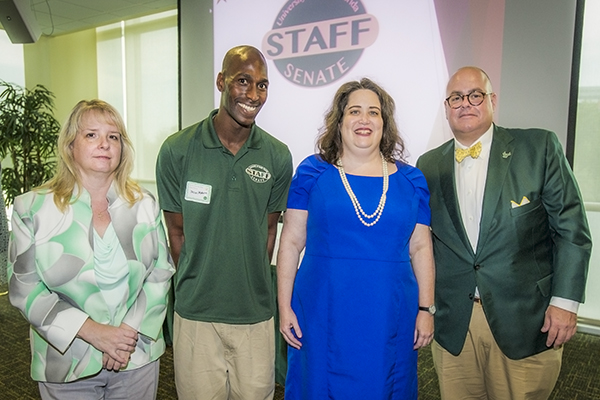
x=89 y=268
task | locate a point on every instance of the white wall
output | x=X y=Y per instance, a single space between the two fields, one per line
x=536 y=64
x=197 y=78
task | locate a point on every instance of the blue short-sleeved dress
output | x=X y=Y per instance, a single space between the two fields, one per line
x=355 y=293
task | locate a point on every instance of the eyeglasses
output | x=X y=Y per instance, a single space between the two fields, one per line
x=475 y=98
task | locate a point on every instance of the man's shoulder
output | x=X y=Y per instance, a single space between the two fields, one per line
x=175 y=150
x=537 y=142
x=436 y=153
x=274 y=149
x=185 y=135
x=271 y=140
x=534 y=135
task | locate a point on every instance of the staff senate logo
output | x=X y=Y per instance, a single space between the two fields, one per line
x=315 y=42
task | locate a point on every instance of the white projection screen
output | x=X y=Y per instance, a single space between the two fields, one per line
x=330 y=42
x=408 y=47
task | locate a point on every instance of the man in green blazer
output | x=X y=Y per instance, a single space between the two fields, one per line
x=512 y=247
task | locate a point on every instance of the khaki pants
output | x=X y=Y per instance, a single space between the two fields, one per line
x=223 y=361
x=482 y=371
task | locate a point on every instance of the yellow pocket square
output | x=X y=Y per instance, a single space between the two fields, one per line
x=524 y=201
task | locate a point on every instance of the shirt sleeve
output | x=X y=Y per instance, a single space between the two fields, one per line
x=168 y=175
x=283 y=176
x=565 y=304
x=55 y=319
x=422 y=193
x=568 y=223
x=303 y=181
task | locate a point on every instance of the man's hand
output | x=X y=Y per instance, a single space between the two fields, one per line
x=560 y=324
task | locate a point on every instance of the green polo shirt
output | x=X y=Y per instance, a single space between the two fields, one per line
x=224 y=271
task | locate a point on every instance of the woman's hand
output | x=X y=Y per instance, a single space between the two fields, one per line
x=117 y=342
x=110 y=363
x=421 y=258
x=423 y=330
x=291 y=244
x=289 y=328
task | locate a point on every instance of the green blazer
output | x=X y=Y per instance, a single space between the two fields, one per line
x=524 y=256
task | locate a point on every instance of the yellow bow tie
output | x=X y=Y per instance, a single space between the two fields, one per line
x=473 y=151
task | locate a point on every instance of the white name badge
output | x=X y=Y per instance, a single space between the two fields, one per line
x=198 y=192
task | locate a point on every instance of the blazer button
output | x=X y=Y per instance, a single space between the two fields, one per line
x=476 y=267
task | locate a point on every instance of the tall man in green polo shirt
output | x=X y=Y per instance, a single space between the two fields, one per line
x=222 y=185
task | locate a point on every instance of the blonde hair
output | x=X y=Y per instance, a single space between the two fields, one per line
x=67 y=174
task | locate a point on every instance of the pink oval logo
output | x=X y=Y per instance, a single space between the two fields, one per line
x=315 y=43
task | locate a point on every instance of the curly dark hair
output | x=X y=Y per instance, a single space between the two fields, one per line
x=329 y=142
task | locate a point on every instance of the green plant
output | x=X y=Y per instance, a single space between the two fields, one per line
x=28 y=134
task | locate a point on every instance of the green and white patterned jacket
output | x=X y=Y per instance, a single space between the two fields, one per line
x=52 y=281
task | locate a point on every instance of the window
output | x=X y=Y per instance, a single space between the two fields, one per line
x=12 y=68
x=586 y=162
x=137 y=73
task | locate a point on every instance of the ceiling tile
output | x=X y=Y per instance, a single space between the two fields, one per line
x=56 y=17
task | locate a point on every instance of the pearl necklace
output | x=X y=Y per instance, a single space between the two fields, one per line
x=357 y=208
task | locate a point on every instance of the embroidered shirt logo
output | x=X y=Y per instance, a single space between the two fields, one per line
x=258 y=173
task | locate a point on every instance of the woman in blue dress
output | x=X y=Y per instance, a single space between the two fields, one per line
x=361 y=303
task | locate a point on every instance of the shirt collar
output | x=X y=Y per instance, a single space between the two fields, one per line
x=212 y=140
x=81 y=194
x=486 y=143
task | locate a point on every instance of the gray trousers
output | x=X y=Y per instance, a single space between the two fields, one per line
x=137 y=384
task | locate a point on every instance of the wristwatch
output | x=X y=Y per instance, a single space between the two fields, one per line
x=431 y=309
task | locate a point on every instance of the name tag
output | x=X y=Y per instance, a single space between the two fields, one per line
x=198 y=192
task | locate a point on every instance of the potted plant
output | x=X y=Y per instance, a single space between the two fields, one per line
x=28 y=135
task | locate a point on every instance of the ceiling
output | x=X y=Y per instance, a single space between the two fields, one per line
x=57 y=17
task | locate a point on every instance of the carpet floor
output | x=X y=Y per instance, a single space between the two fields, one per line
x=579 y=378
